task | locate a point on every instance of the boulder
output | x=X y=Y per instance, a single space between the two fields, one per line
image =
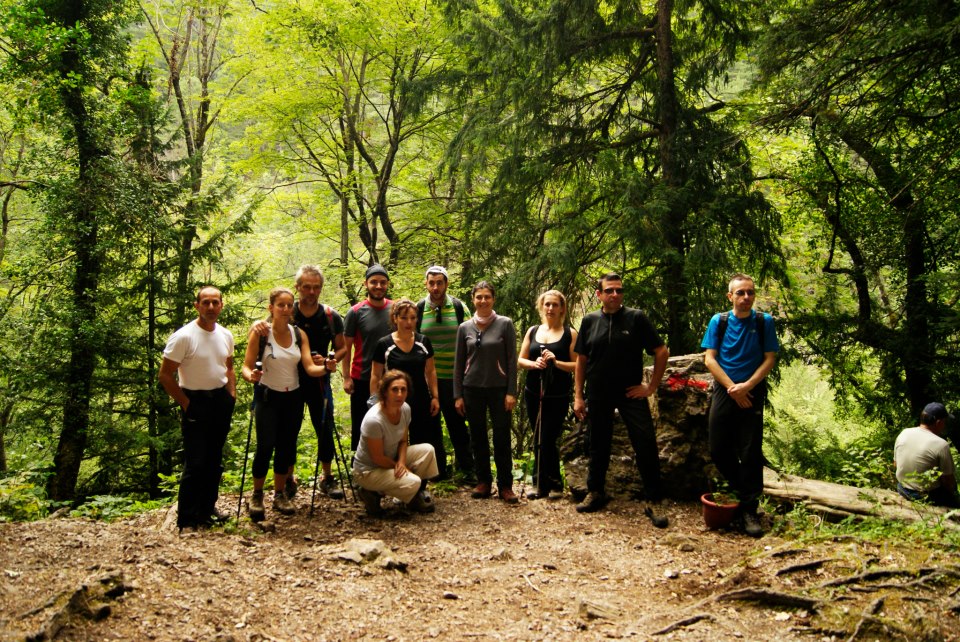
x=680 y=408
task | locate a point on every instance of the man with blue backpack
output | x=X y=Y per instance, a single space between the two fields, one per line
x=741 y=349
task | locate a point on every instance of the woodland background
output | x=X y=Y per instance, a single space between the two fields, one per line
x=147 y=148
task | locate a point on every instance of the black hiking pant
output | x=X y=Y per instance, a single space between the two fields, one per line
x=736 y=443
x=643 y=437
x=204 y=426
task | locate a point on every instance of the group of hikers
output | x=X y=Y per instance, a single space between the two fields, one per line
x=405 y=365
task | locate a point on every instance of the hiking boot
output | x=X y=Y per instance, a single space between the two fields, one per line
x=328 y=486
x=290 y=488
x=751 y=524
x=555 y=495
x=371 y=501
x=654 y=510
x=256 y=506
x=482 y=491
x=592 y=502
x=535 y=494
x=282 y=505
x=422 y=502
x=507 y=495
x=217 y=518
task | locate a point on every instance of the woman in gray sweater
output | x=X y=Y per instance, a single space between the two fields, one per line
x=485 y=379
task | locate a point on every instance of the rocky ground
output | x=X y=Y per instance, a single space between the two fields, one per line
x=473 y=570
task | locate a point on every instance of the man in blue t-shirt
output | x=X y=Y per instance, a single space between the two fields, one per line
x=741 y=350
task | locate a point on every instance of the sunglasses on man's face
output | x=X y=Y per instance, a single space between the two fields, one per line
x=745 y=292
x=613 y=290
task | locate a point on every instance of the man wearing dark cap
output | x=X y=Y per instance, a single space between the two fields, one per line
x=923 y=460
x=365 y=324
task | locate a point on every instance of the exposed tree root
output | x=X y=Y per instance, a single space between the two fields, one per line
x=804 y=566
x=687 y=621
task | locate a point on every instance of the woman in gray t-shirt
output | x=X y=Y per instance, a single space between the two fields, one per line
x=385 y=464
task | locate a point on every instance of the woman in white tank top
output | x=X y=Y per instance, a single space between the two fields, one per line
x=278 y=405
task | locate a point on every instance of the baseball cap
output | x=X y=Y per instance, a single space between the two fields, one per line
x=937 y=411
x=437 y=269
x=376 y=268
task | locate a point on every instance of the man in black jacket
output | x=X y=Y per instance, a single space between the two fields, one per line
x=610 y=352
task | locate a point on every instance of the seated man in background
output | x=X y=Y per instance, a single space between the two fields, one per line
x=922 y=449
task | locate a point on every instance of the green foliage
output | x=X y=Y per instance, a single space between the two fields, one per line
x=802 y=525
x=23 y=496
x=805 y=437
x=111 y=507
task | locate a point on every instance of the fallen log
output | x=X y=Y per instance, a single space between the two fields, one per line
x=840 y=501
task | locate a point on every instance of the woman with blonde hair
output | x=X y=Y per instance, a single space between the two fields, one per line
x=547 y=352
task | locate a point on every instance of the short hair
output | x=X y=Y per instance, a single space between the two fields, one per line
x=739 y=276
x=543 y=297
x=276 y=292
x=484 y=285
x=609 y=276
x=399 y=307
x=209 y=287
x=388 y=378
x=308 y=268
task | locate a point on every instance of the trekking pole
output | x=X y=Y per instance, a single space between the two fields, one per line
x=316 y=468
x=246 y=450
x=342 y=463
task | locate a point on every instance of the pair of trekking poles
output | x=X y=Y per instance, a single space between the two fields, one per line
x=338 y=450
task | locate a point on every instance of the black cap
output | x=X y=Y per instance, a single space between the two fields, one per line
x=376 y=268
x=936 y=411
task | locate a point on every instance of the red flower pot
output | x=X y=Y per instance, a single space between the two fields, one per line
x=717 y=515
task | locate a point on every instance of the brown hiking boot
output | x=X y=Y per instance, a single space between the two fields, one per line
x=592 y=502
x=283 y=505
x=256 y=506
x=482 y=491
x=507 y=495
x=371 y=502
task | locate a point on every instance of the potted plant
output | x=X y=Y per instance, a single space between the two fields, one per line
x=719 y=506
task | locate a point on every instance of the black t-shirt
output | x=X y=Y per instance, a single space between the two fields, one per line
x=414 y=363
x=317 y=327
x=614 y=345
x=557 y=383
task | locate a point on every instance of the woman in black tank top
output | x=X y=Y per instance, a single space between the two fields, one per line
x=547 y=354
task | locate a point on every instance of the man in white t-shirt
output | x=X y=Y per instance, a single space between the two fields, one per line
x=205 y=386
x=923 y=460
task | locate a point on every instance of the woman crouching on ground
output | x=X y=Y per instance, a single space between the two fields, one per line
x=278 y=404
x=485 y=379
x=547 y=352
x=384 y=463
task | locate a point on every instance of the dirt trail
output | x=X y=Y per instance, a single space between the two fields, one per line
x=475 y=570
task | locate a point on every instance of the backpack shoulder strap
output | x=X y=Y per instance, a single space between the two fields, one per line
x=722 y=326
x=296 y=335
x=458 y=308
x=421 y=304
x=329 y=313
x=761 y=326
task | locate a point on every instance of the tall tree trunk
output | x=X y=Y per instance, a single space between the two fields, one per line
x=84 y=229
x=675 y=287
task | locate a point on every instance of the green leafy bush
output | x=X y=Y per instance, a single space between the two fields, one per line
x=23 y=497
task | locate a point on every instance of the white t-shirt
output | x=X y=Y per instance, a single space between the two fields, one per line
x=918 y=450
x=280 y=364
x=202 y=355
